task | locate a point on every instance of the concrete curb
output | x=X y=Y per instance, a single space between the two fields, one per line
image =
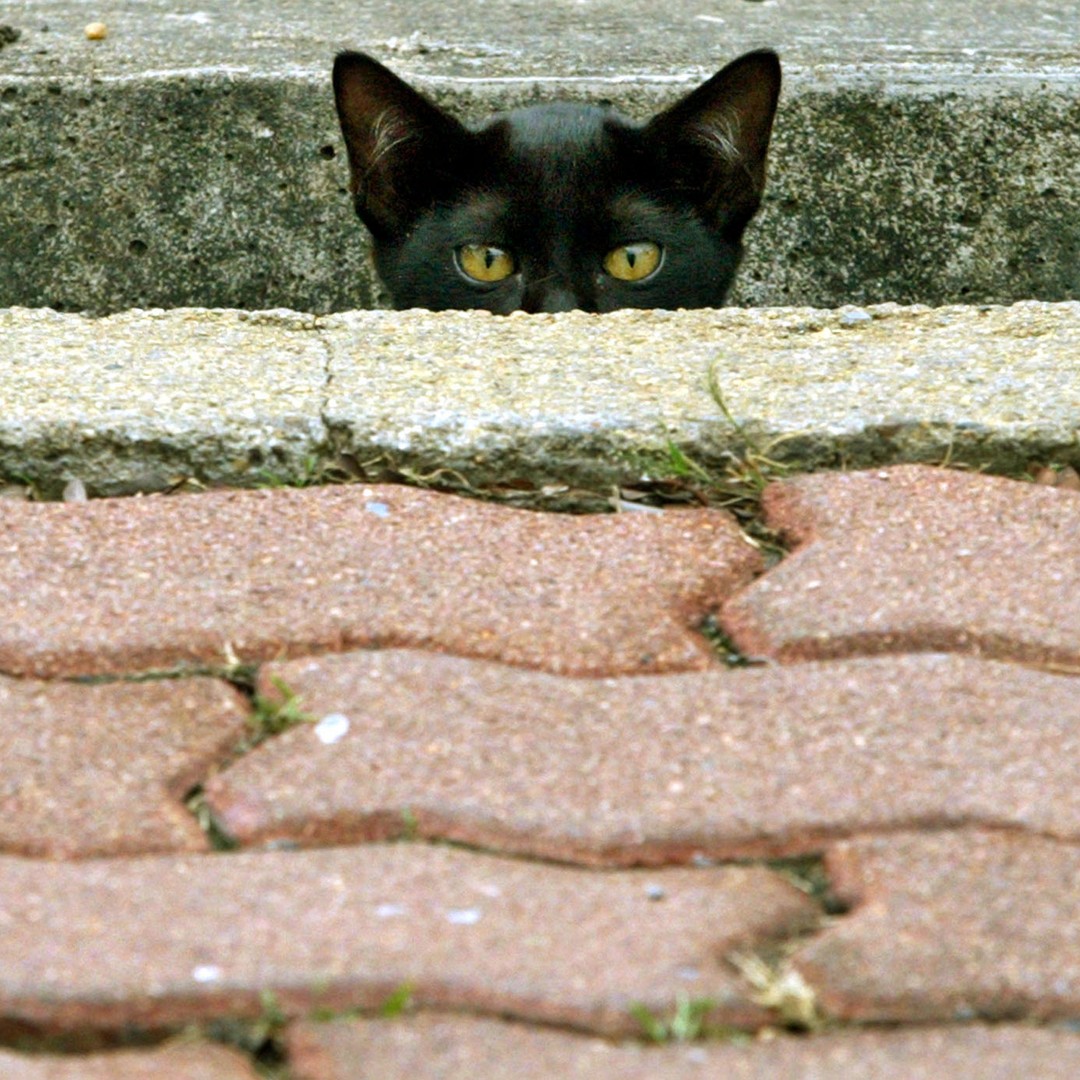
x=543 y=409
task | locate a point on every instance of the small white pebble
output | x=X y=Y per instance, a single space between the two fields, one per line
x=75 y=491
x=206 y=973
x=203 y=18
x=855 y=317
x=96 y=31
x=332 y=728
x=379 y=509
x=463 y=916
x=655 y=892
x=390 y=911
x=625 y=504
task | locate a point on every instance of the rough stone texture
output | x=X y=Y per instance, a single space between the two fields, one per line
x=913 y=558
x=922 y=152
x=206 y=936
x=574 y=397
x=102 y=770
x=545 y=410
x=459 y=1048
x=179 y=1062
x=541 y=43
x=140 y=401
x=651 y=770
x=122 y=585
x=951 y=926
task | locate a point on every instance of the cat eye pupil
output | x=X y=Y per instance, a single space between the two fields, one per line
x=633 y=262
x=483 y=262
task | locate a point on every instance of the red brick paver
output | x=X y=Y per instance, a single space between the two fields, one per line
x=164 y=940
x=942 y=789
x=119 y=585
x=95 y=770
x=460 y=1048
x=657 y=768
x=951 y=927
x=196 y=1062
x=914 y=558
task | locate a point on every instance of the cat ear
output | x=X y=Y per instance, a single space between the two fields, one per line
x=400 y=144
x=715 y=139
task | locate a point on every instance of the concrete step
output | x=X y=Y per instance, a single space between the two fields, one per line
x=552 y=410
x=924 y=152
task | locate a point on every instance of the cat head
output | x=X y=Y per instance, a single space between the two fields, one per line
x=558 y=206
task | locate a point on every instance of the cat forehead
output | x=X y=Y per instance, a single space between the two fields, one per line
x=560 y=126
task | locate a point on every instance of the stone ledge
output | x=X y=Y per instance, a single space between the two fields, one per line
x=575 y=402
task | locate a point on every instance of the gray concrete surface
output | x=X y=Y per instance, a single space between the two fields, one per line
x=142 y=400
x=926 y=149
x=547 y=409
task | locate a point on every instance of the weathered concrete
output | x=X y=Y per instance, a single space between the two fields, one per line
x=538 y=407
x=143 y=400
x=924 y=152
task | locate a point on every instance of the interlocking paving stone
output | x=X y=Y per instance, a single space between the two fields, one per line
x=460 y=1048
x=651 y=769
x=160 y=941
x=915 y=558
x=102 y=770
x=952 y=925
x=179 y=1062
x=120 y=585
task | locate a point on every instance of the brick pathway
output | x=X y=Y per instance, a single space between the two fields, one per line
x=538 y=690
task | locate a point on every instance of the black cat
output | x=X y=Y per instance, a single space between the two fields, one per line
x=558 y=206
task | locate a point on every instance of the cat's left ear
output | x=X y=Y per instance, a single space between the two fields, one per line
x=403 y=149
x=714 y=140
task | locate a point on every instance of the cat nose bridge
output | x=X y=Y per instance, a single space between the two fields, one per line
x=552 y=293
x=557 y=297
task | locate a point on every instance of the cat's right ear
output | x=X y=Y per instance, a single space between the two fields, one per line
x=401 y=145
x=715 y=140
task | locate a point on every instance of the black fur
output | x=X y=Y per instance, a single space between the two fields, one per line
x=558 y=187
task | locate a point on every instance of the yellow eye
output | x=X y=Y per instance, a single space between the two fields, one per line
x=484 y=263
x=633 y=262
